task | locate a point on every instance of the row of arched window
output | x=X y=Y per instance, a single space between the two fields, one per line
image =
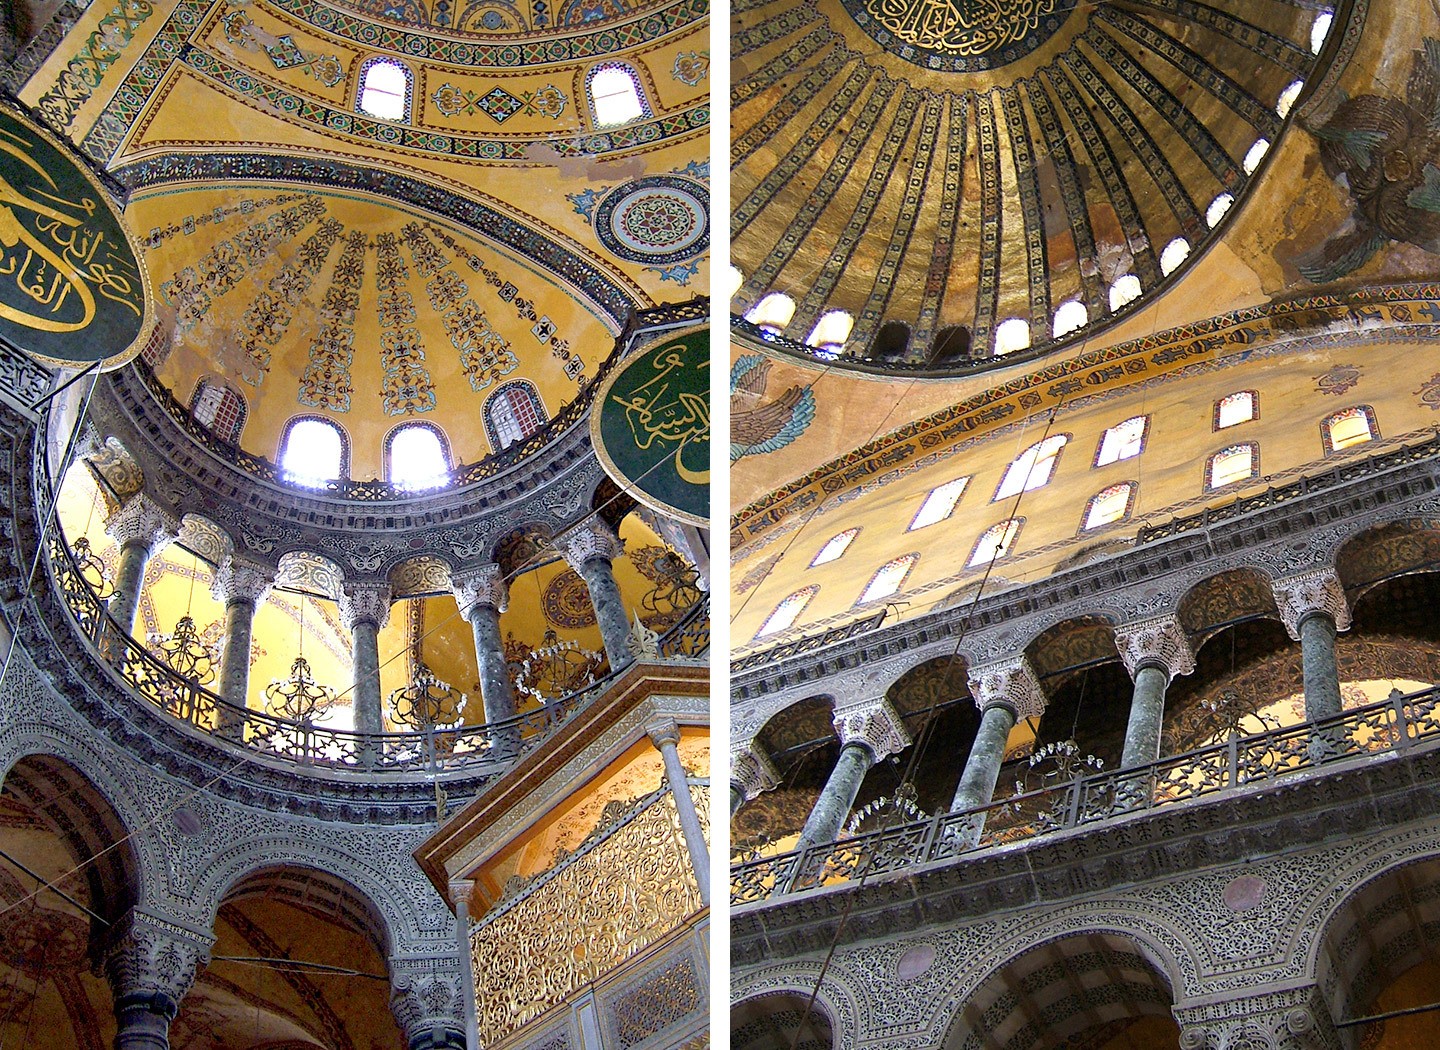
x=314 y=449
x=614 y=89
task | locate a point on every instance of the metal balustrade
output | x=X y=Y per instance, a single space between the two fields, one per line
x=1390 y=726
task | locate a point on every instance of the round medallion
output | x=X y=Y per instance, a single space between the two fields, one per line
x=661 y=219
x=566 y=601
x=959 y=36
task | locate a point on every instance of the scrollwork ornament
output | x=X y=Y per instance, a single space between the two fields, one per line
x=1160 y=642
x=367 y=602
x=1011 y=683
x=587 y=541
x=1307 y=593
x=480 y=585
x=874 y=723
x=751 y=770
x=141 y=521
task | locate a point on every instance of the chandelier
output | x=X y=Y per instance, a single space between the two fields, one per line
x=557 y=668
x=92 y=570
x=426 y=703
x=676 y=589
x=184 y=652
x=299 y=698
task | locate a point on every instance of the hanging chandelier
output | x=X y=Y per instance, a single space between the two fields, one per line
x=183 y=651
x=557 y=667
x=426 y=703
x=677 y=588
x=92 y=570
x=299 y=698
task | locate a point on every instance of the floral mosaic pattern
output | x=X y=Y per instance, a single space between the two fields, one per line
x=1338 y=379
x=406 y=387
x=326 y=380
x=499 y=104
x=84 y=73
x=691 y=67
x=283 y=52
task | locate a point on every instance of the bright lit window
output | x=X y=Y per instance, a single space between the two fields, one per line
x=615 y=95
x=939 y=504
x=1107 y=505
x=995 y=543
x=831 y=331
x=1125 y=290
x=1123 y=441
x=787 y=612
x=1255 y=156
x=416 y=456
x=1286 y=101
x=1319 y=30
x=1011 y=335
x=1351 y=426
x=1070 y=316
x=1218 y=207
x=736 y=280
x=1239 y=407
x=512 y=413
x=384 y=89
x=1032 y=468
x=313 y=451
x=772 y=313
x=1175 y=253
x=834 y=547
x=218 y=409
x=888 y=577
x=1236 y=463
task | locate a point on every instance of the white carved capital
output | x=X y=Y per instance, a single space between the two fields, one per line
x=481 y=585
x=663 y=731
x=140 y=520
x=1160 y=642
x=146 y=955
x=1008 y=683
x=874 y=723
x=590 y=539
x=1319 y=590
x=240 y=580
x=367 y=602
x=751 y=770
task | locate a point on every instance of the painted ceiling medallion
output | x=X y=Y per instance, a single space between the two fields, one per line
x=960 y=36
x=658 y=219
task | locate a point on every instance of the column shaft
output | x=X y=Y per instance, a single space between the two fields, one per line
x=143 y=1022
x=1321 y=673
x=365 y=641
x=737 y=798
x=496 y=692
x=982 y=768
x=1147 y=712
x=129 y=578
x=467 y=968
x=689 y=820
x=599 y=577
x=235 y=661
x=838 y=795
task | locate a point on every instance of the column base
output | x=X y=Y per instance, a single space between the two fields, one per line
x=438 y=1039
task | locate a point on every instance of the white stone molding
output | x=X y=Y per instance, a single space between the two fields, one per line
x=367 y=602
x=142 y=521
x=480 y=585
x=241 y=580
x=588 y=540
x=1319 y=590
x=874 y=723
x=751 y=769
x=1010 y=683
x=1160 y=641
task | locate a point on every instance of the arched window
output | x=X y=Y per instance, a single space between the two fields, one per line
x=1122 y=441
x=1011 y=335
x=1229 y=465
x=1350 y=426
x=1032 y=468
x=995 y=542
x=384 y=89
x=1319 y=30
x=887 y=578
x=952 y=344
x=415 y=456
x=1255 y=155
x=1070 y=317
x=788 y=611
x=1124 y=291
x=1218 y=207
x=772 y=313
x=513 y=412
x=834 y=547
x=313 y=451
x=830 y=332
x=219 y=409
x=616 y=96
x=891 y=341
x=939 y=504
x=1286 y=102
x=1175 y=253
x=1107 y=505
x=1239 y=407
x=736 y=280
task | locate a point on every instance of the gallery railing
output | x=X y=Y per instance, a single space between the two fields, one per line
x=1392 y=725
x=441 y=750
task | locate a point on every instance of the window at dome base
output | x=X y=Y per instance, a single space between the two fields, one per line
x=313 y=451
x=1032 y=468
x=830 y=332
x=1350 y=426
x=887 y=578
x=772 y=313
x=512 y=413
x=384 y=89
x=834 y=547
x=1124 y=291
x=995 y=542
x=1070 y=317
x=788 y=611
x=416 y=458
x=1011 y=335
x=1229 y=465
x=615 y=95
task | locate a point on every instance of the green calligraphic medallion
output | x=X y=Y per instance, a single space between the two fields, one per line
x=650 y=425
x=72 y=289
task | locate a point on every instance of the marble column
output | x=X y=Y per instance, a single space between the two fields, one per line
x=427 y=997
x=665 y=735
x=143 y=529
x=150 y=964
x=590 y=547
x=1005 y=692
x=482 y=596
x=365 y=606
x=869 y=731
x=751 y=772
x=241 y=587
x=1154 y=652
x=1313 y=608
x=460 y=891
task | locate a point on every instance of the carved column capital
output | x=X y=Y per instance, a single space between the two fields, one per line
x=663 y=731
x=241 y=580
x=1159 y=642
x=1285 y=1019
x=461 y=889
x=427 y=998
x=588 y=540
x=1301 y=595
x=141 y=521
x=874 y=723
x=480 y=585
x=1008 y=683
x=148 y=958
x=367 y=602
x=751 y=769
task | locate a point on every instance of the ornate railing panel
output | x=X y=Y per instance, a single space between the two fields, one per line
x=1391 y=725
x=621 y=891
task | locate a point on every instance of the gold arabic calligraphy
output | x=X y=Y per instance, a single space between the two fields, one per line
x=961 y=27
x=658 y=416
x=52 y=250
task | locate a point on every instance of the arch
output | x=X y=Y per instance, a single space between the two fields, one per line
x=383 y=89
x=610 y=503
x=218 y=407
x=205 y=538
x=523 y=548
x=780 y=1020
x=513 y=412
x=318 y=891
x=804 y=979
x=304 y=570
x=421 y=576
x=1385 y=551
x=1241 y=593
x=891 y=342
x=616 y=94
x=424 y=450
x=951 y=345
x=314 y=449
x=800 y=740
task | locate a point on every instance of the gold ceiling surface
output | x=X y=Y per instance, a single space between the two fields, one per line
x=949 y=166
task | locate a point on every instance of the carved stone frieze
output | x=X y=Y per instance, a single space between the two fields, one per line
x=365 y=603
x=1281 y=1019
x=1011 y=683
x=874 y=723
x=141 y=521
x=588 y=540
x=751 y=770
x=1160 y=642
x=480 y=585
x=1319 y=590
